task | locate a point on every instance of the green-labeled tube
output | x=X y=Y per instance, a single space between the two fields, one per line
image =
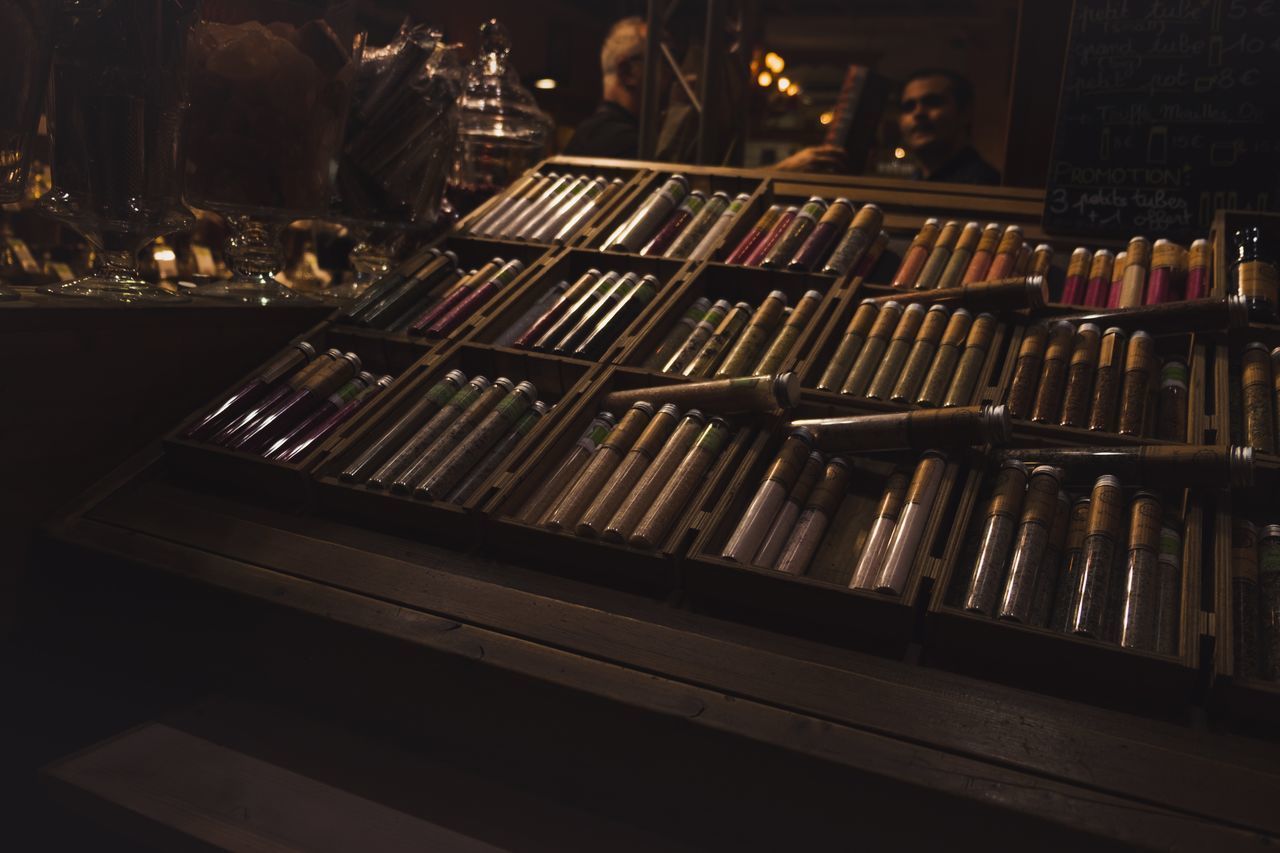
x=473 y=445
x=655 y=478
x=790 y=332
x=679 y=333
x=452 y=435
x=499 y=454
x=570 y=466
x=747 y=349
x=428 y=433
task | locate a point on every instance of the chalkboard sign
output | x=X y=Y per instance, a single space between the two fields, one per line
x=1169 y=110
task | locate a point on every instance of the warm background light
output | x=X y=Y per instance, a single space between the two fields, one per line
x=793 y=90
x=783 y=83
x=544 y=83
x=774 y=62
x=899 y=153
x=827 y=117
x=765 y=78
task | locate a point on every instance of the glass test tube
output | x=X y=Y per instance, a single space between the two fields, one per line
x=995 y=543
x=769 y=497
x=1030 y=545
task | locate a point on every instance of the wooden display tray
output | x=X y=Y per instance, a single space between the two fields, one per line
x=287 y=481
x=472 y=252
x=1242 y=696
x=822 y=347
x=820 y=603
x=1079 y=775
x=1186 y=345
x=708 y=180
x=568 y=266
x=736 y=284
x=598 y=561
x=1057 y=662
x=633 y=175
x=559 y=383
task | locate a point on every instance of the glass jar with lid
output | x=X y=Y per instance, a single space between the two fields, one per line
x=501 y=130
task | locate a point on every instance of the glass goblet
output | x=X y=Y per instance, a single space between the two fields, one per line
x=26 y=42
x=270 y=83
x=119 y=92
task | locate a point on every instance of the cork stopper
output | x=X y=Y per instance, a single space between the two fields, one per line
x=1140 y=353
x=679 y=179
x=863 y=319
x=1079 y=523
x=989 y=238
x=928 y=472
x=957 y=329
x=1145 y=521
x=1011 y=484
x=504 y=383
x=695 y=415
x=456 y=377
x=1078 y=265
x=1165 y=253
x=1199 y=254
x=452 y=257
x=540 y=407
x=786 y=466
x=1103 y=260
x=949 y=234
x=1061 y=335
x=910 y=322
x=868 y=218
x=969 y=237
x=1271 y=531
x=1033 y=340
x=307 y=349
x=480 y=383
x=895 y=493
x=670 y=409
x=640 y=405
x=1139 y=252
x=982 y=332
x=1106 y=508
x=830 y=490
x=1010 y=240
x=809 y=475
x=1042 y=494
x=927 y=234
x=353 y=359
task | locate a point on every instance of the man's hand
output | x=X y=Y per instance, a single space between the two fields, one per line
x=817 y=158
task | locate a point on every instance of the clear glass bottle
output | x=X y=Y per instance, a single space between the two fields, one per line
x=501 y=130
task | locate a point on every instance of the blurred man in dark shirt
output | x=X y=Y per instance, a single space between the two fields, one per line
x=936 y=119
x=613 y=129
